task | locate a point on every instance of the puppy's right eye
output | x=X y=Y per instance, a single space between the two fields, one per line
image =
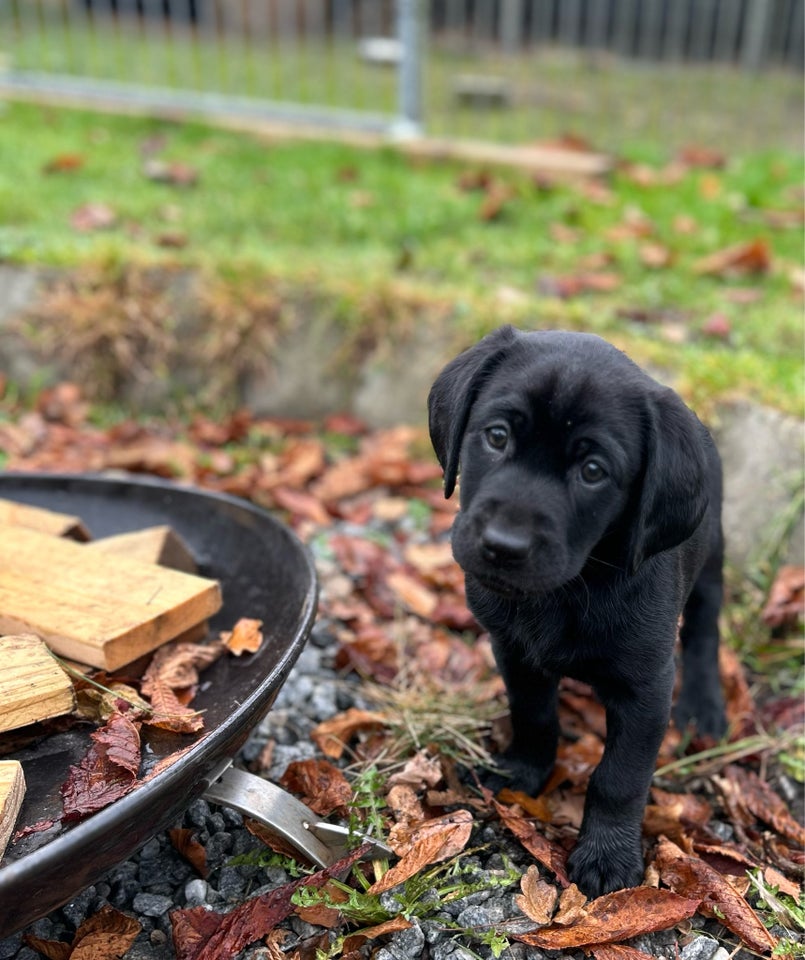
x=497 y=436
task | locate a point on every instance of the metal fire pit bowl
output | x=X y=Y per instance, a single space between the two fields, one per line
x=265 y=573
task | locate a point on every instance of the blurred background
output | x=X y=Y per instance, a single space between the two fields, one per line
x=502 y=70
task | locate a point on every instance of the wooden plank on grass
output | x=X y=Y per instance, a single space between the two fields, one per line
x=90 y=607
x=12 y=791
x=32 y=684
x=153 y=545
x=48 y=521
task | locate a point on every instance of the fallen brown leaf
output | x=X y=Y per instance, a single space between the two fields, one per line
x=572 y=907
x=430 y=842
x=547 y=853
x=786 y=604
x=691 y=877
x=105 y=935
x=356 y=940
x=618 y=951
x=323 y=787
x=752 y=256
x=245 y=637
x=187 y=844
x=538 y=897
x=333 y=735
x=93 y=216
x=614 y=917
x=757 y=797
x=202 y=934
x=107 y=772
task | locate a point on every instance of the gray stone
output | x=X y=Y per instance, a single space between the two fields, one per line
x=231 y=883
x=703 y=948
x=195 y=892
x=10 y=946
x=77 y=909
x=409 y=944
x=152 y=904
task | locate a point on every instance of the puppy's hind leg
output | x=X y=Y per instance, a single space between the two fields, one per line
x=701 y=702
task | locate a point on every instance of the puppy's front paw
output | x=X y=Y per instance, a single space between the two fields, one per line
x=602 y=862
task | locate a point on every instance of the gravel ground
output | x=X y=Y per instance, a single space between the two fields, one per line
x=157 y=879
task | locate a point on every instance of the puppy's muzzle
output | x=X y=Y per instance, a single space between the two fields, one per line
x=504 y=544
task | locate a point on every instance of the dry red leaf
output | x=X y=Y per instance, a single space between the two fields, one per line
x=430 y=842
x=64 y=163
x=754 y=795
x=169 y=713
x=740 y=706
x=696 y=155
x=187 y=844
x=356 y=940
x=301 y=505
x=538 y=897
x=572 y=906
x=320 y=785
x=618 y=951
x=333 y=735
x=93 y=216
x=245 y=637
x=107 y=772
x=753 y=256
x=568 y=286
x=691 y=877
x=412 y=594
x=371 y=652
x=420 y=771
x=786 y=604
x=201 y=934
x=614 y=917
x=538 y=807
x=178 y=664
x=547 y=853
x=105 y=935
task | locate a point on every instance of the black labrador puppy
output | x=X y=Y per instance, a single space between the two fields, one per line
x=589 y=522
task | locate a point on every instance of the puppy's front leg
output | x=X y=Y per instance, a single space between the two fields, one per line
x=608 y=855
x=530 y=757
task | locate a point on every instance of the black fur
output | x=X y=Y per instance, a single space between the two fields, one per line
x=589 y=521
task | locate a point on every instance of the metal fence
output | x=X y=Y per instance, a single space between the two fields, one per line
x=507 y=70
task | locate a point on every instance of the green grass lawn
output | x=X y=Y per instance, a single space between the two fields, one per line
x=623 y=258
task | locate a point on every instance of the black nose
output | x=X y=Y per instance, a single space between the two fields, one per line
x=504 y=544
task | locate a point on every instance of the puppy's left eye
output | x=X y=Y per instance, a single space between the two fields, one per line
x=592 y=472
x=497 y=436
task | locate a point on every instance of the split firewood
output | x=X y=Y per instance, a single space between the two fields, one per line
x=32 y=684
x=46 y=521
x=159 y=545
x=12 y=791
x=92 y=608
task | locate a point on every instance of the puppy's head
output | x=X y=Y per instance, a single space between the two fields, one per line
x=570 y=456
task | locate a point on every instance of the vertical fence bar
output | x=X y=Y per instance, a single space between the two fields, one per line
x=409 y=89
x=758 y=24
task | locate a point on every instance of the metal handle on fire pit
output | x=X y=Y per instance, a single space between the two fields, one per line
x=322 y=843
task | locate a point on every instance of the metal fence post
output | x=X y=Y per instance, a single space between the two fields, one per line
x=409 y=81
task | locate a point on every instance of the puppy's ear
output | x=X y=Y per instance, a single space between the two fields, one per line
x=674 y=493
x=453 y=394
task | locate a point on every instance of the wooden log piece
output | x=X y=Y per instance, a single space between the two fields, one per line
x=92 y=608
x=12 y=792
x=153 y=545
x=48 y=521
x=32 y=684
